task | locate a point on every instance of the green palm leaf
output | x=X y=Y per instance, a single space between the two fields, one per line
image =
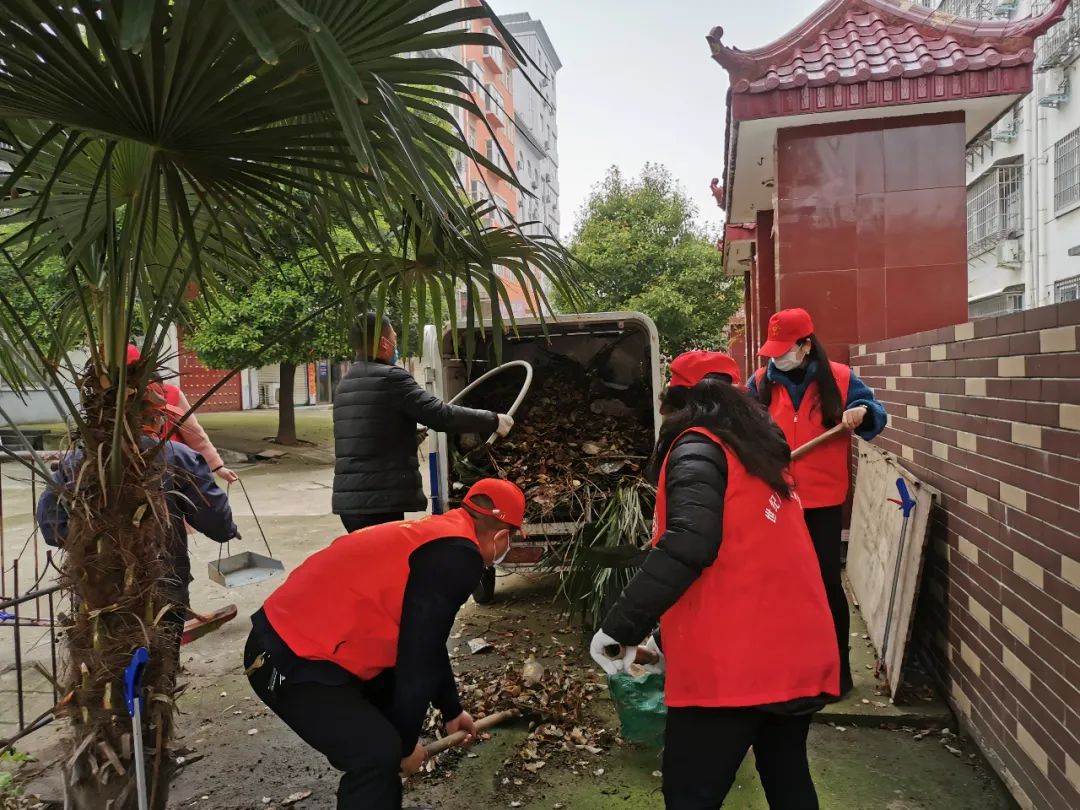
x=154 y=147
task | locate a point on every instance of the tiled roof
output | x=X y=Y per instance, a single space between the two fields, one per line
x=853 y=41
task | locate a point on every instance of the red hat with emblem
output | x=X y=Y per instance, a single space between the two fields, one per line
x=786 y=327
x=508 y=501
x=690 y=368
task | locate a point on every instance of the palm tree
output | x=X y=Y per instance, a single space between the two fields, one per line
x=151 y=145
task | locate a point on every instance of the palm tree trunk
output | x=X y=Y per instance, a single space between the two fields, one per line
x=286 y=433
x=119 y=566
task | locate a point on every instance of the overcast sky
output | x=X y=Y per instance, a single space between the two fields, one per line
x=638 y=85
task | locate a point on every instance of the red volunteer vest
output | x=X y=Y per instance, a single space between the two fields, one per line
x=821 y=476
x=343 y=604
x=755 y=627
x=172 y=399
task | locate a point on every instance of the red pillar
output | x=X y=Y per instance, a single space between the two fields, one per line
x=765 y=298
x=750 y=309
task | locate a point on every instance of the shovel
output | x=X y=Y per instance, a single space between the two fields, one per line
x=247 y=567
x=458 y=737
x=133 y=676
x=906 y=504
x=200 y=625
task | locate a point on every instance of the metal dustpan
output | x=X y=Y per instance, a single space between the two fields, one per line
x=247 y=567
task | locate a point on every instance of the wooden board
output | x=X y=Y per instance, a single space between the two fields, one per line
x=873 y=547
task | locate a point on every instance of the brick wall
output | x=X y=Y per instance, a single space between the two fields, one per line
x=989 y=413
x=196 y=379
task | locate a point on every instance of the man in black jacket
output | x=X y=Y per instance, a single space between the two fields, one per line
x=377 y=406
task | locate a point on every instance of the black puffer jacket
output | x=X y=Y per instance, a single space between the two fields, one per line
x=696 y=485
x=376 y=409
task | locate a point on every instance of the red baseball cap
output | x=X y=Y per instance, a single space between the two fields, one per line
x=690 y=368
x=507 y=498
x=785 y=328
x=155 y=397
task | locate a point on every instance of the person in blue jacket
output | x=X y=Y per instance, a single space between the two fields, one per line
x=191 y=493
x=806 y=395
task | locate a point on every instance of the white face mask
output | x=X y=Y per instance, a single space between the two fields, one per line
x=789 y=360
x=502 y=556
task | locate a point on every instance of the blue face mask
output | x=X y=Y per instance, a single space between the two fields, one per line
x=395 y=358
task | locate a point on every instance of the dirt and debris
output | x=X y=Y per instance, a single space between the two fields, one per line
x=576 y=437
x=564 y=712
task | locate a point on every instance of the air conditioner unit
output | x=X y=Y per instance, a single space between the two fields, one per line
x=1004 y=8
x=1055 y=88
x=1004 y=131
x=268 y=394
x=1008 y=252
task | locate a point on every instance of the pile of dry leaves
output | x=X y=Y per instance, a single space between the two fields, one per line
x=556 y=703
x=576 y=438
x=545 y=682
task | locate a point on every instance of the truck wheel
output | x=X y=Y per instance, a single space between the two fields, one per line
x=485 y=591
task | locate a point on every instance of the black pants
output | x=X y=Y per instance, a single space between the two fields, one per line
x=344 y=724
x=353 y=523
x=826 y=525
x=703 y=749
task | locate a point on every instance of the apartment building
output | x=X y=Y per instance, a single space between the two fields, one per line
x=537 y=131
x=1023 y=199
x=517 y=131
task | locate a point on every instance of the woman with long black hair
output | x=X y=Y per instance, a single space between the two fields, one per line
x=806 y=395
x=745 y=627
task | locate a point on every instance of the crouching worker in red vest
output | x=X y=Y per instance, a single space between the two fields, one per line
x=351 y=650
x=733 y=579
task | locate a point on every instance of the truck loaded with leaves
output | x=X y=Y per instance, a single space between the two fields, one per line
x=583 y=436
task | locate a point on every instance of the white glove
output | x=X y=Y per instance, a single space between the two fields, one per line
x=661 y=664
x=506 y=424
x=611 y=664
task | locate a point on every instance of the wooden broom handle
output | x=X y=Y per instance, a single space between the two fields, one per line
x=818 y=440
x=458 y=737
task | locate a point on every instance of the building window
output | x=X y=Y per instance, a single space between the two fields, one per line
x=493 y=102
x=1060 y=43
x=474 y=78
x=995 y=208
x=494 y=155
x=1067 y=171
x=1010 y=300
x=969 y=9
x=489 y=49
x=1068 y=289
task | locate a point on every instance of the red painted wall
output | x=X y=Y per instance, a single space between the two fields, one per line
x=764 y=283
x=871 y=227
x=196 y=379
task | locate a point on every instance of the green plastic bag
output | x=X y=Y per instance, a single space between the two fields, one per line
x=640 y=704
